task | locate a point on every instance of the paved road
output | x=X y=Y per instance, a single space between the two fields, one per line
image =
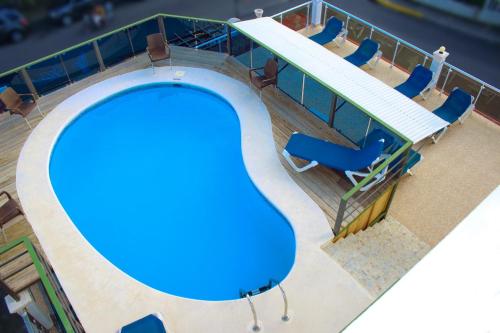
x=478 y=57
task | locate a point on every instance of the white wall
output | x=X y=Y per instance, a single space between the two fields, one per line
x=455 y=288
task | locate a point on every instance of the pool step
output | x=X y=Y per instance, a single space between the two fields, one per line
x=378 y=256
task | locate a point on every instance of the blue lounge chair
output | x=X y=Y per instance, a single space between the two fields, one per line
x=333 y=28
x=367 y=50
x=152 y=323
x=350 y=161
x=457 y=106
x=417 y=83
x=390 y=147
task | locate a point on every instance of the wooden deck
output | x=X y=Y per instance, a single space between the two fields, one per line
x=323 y=185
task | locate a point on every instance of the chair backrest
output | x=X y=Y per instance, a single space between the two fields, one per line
x=10 y=98
x=367 y=155
x=376 y=135
x=458 y=101
x=420 y=76
x=156 y=41
x=368 y=48
x=333 y=26
x=271 y=68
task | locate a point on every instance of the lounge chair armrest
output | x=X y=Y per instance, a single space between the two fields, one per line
x=343 y=34
x=255 y=69
x=6 y=194
x=12 y=109
x=269 y=80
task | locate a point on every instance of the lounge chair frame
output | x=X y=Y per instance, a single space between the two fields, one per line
x=351 y=175
x=439 y=134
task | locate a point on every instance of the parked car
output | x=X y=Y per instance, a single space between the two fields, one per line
x=13 y=25
x=65 y=12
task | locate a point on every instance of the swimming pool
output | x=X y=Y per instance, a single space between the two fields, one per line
x=154 y=179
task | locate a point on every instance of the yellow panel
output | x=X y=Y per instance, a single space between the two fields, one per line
x=381 y=204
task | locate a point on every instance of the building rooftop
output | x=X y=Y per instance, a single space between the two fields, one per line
x=415 y=211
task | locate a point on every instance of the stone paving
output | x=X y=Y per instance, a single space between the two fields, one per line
x=378 y=256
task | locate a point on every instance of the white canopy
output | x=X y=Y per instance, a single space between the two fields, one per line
x=353 y=84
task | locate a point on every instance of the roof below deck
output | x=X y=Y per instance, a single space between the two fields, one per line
x=371 y=95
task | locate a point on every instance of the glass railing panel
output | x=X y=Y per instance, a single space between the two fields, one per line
x=260 y=56
x=317 y=99
x=211 y=36
x=81 y=62
x=488 y=103
x=296 y=19
x=139 y=33
x=357 y=31
x=457 y=79
x=290 y=81
x=240 y=48
x=407 y=58
x=48 y=75
x=15 y=81
x=387 y=44
x=329 y=12
x=351 y=122
x=180 y=31
x=115 y=48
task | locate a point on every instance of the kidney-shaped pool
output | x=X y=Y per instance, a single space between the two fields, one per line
x=154 y=179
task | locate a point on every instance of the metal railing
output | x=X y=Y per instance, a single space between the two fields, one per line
x=77 y=62
x=55 y=294
x=406 y=56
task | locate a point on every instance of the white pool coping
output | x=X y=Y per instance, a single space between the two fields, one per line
x=322 y=296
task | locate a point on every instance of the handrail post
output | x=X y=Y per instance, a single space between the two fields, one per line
x=29 y=83
x=255 y=326
x=308 y=13
x=229 y=40
x=302 y=91
x=395 y=53
x=285 y=316
x=130 y=42
x=65 y=69
x=161 y=26
x=478 y=94
x=340 y=216
x=98 y=55
x=445 y=80
x=251 y=53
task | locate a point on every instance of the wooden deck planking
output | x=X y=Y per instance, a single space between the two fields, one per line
x=324 y=185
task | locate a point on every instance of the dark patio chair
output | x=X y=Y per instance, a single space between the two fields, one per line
x=8 y=211
x=270 y=76
x=16 y=105
x=158 y=49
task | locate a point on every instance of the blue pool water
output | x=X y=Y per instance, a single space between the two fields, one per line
x=154 y=179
